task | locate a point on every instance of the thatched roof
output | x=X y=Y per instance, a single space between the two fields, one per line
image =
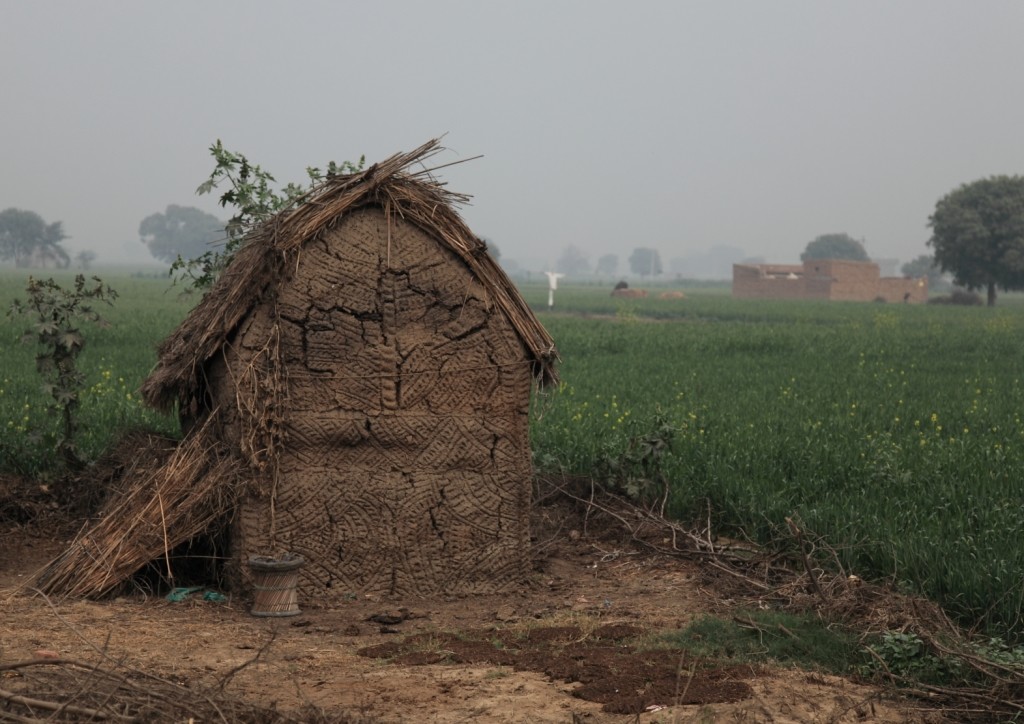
x=414 y=195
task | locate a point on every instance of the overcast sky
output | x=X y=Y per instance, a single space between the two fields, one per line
x=608 y=125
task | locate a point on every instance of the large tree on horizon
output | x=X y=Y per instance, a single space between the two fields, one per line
x=978 y=234
x=835 y=246
x=645 y=261
x=28 y=240
x=573 y=261
x=181 y=231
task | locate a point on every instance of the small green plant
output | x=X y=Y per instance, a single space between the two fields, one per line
x=55 y=312
x=251 y=193
x=999 y=652
x=638 y=469
x=904 y=654
x=803 y=641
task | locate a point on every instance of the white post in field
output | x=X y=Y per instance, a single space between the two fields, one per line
x=553 y=278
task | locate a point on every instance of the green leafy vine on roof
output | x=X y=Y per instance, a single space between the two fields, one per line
x=249 y=190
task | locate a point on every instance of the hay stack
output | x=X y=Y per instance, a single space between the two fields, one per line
x=167 y=495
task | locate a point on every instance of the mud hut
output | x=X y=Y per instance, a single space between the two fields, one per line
x=370 y=366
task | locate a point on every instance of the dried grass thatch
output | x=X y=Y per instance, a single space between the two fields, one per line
x=414 y=196
x=168 y=495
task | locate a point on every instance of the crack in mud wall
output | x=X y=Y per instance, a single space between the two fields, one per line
x=405 y=465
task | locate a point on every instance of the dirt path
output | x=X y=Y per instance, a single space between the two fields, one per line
x=561 y=649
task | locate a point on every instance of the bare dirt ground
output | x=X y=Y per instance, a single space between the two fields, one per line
x=573 y=644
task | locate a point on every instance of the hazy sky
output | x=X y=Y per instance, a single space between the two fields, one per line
x=678 y=125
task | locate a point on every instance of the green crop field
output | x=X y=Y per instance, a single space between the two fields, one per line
x=893 y=431
x=115 y=361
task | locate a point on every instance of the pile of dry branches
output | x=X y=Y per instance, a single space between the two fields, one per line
x=67 y=690
x=166 y=495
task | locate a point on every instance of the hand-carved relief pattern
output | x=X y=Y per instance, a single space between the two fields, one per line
x=406 y=466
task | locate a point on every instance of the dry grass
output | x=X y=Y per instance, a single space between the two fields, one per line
x=166 y=495
x=69 y=690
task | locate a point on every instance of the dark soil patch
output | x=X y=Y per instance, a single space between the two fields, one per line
x=554 y=635
x=616 y=632
x=624 y=679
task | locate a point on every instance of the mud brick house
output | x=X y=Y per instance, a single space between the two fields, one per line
x=833 y=279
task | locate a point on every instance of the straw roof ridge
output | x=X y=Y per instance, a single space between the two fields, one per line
x=414 y=195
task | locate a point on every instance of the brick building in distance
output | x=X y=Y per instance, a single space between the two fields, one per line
x=835 y=279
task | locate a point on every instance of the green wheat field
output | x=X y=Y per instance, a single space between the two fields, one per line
x=892 y=431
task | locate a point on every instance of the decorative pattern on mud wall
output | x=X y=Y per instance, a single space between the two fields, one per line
x=404 y=465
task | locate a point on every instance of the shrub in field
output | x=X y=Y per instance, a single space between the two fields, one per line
x=251 y=193
x=961 y=297
x=637 y=468
x=56 y=312
x=117 y=357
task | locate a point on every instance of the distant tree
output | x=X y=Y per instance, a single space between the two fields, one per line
x=84 y=259
x=978 y=234
x=835 y=246
x=29 y=241
x=713 y=263
x=923 y=266
x=181 y=231
x=573 y=261
x=52 y=254
x=608 y=264
x=645 y=261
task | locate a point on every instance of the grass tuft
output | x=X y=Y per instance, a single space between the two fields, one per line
x=756 y=636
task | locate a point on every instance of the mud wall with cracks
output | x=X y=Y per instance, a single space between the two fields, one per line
x=404 y=464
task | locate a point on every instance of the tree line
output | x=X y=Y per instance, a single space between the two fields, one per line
x=977 y=235
x=644 y=261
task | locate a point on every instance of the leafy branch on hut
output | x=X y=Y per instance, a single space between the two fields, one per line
x=249 y=190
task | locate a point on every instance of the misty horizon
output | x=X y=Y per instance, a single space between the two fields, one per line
x=683 y=127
